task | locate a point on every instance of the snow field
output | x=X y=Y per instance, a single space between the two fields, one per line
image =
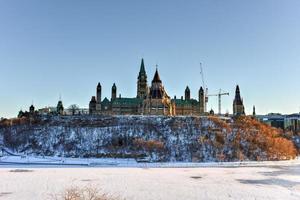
x=252 y=182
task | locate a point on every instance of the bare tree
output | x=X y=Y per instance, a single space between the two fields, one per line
x=74 y=109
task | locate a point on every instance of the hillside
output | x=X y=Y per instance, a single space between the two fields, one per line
x=196 y=139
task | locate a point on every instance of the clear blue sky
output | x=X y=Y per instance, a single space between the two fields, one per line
x=57 y=47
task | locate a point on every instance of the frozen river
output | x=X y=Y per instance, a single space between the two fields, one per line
x=248 y=182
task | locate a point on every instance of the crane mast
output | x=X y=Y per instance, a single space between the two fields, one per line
x=219 y=95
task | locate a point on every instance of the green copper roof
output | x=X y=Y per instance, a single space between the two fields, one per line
x=105 y=101
x=127 y=101
x=182 y=102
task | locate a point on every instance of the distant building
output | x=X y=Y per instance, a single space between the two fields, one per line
x=157 y=101
x=78 y=111
x=97 y=100
x=31 y=109
x=93 y=108
x=292 y=123
x=32 y=112
x=201 y=100
x=142 y=85
x=276 y=120
x=238 y=105
x=284 y=122
x=47 y=110
x=152 y=100
x=60 y=108
x=187 y=105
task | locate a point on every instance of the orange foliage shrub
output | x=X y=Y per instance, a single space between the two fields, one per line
x=265 y=137
x=220 y=123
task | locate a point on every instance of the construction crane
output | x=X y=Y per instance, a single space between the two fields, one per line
x=219 y=95
x=205 y=89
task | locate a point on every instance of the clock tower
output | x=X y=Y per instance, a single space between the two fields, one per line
x=142 y=87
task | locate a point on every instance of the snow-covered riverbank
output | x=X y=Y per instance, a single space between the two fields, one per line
x=38 y=161
x=249 y=182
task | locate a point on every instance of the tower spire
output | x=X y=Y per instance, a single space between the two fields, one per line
x=187 y=93
x=142 y=70
x=142 y=73
x=114 y=92
x=142 y=82
x=238 y=106
x=98 y=97
x=254 y=111
x=156 y=77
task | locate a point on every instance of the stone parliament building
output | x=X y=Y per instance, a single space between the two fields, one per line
x=150 y=100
